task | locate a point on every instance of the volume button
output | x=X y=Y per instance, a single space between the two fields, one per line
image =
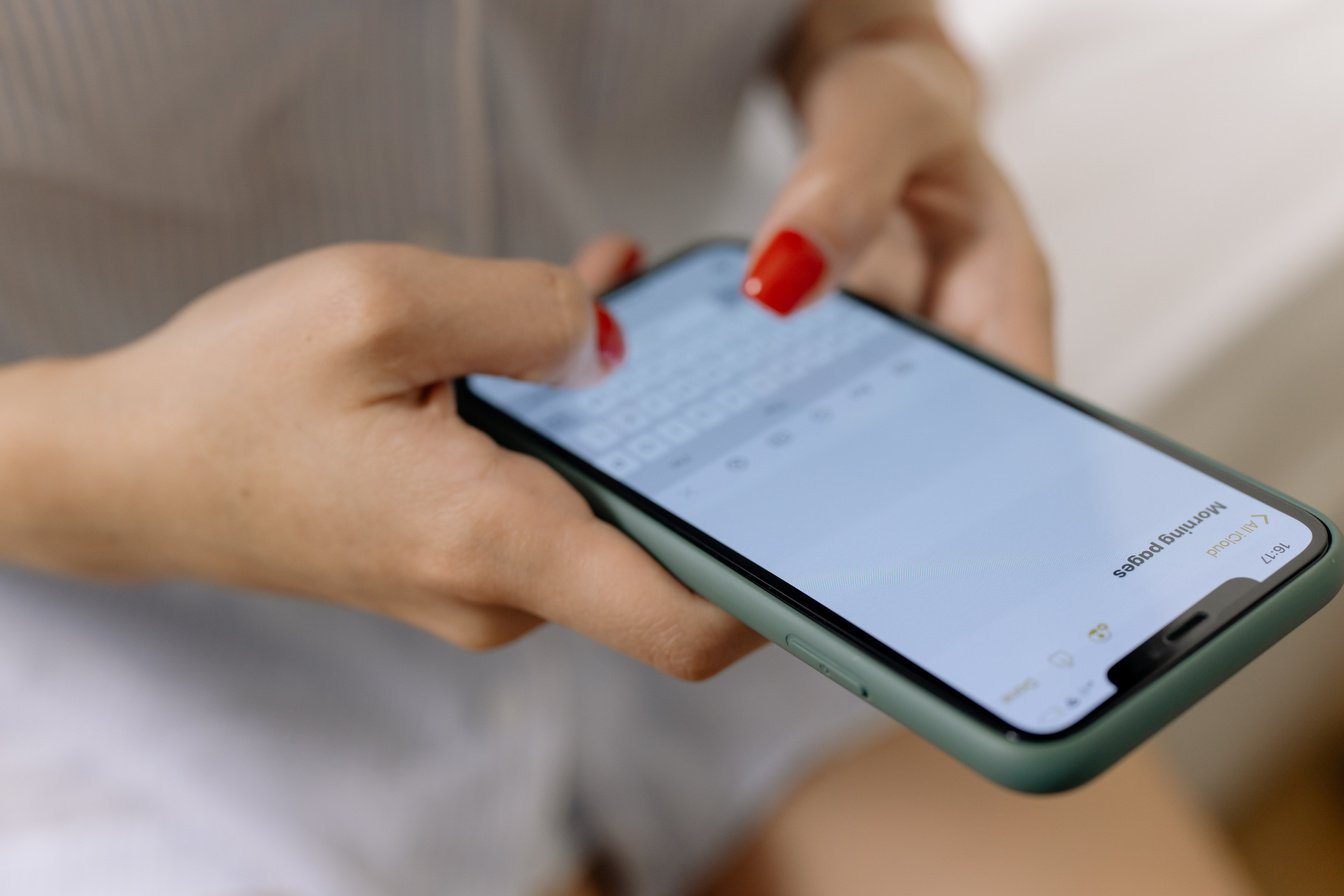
x=819 y=661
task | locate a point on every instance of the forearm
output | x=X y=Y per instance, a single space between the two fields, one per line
x=827 y=26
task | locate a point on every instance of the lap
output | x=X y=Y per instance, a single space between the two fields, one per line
x=245 y=743
x=898 y=816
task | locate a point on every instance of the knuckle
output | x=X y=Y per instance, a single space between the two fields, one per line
x=843 y=216
x=482 y=631
x=695 y=665
x=435 y=571
x=368 y=299
x=360 y=267
x=451 y=571
x=941 y=94
x=474 y=560
x=692 y=657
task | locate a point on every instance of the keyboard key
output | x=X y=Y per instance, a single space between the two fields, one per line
x=684 y=389
x=704 y=414
x=760 y=385
x=629 y=386
x=618 y=464
x=647 y=446
x=680 y=461
x=678 y=358
x=657 y=404
x=734 y=398
x=676 y=430
x=597 y=401
x=598 y=436
x=629 y=419
x=860 y=390
x=560 y=420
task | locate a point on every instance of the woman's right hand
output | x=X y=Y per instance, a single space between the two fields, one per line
x=295 y=431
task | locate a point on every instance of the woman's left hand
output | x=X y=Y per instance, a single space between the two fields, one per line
x=896 y=198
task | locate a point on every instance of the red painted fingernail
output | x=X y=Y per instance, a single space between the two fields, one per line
x=610 y=341
x=630 y=264
x=786 y=271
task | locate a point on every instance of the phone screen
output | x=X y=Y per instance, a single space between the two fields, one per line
x=1011 y=545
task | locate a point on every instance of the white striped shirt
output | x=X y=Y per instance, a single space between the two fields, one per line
x=150 y=149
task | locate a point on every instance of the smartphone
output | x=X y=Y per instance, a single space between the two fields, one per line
x=1033 y=584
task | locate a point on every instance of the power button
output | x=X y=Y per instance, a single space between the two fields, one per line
x=817 y=660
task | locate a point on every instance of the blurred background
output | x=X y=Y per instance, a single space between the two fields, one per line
x=1184 y=164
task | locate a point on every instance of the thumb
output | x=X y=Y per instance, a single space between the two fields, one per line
x=872 y=125
x=608 y=261
x=432 y=317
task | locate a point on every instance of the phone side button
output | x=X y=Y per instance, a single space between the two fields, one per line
x=817 y=660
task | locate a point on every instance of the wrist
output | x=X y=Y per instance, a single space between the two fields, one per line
x=65 y=470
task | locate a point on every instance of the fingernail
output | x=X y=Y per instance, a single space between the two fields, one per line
x=786 y=271
x=610 y=341
x=629 y=265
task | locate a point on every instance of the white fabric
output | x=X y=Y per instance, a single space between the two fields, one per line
x=1182 y=158
x=188 y=740
x=150 y=150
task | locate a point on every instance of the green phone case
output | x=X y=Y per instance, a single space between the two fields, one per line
x=1033 y=766
x=1037 y=766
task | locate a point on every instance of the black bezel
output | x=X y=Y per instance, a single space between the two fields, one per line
x=488 y=417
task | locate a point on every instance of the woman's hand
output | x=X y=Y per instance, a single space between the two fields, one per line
x=895 y=196
x=295 y=431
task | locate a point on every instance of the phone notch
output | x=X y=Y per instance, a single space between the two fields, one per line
x=1184 y=634
x=1185 y=627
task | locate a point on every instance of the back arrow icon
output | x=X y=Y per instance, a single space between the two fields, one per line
x=1263 y=517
